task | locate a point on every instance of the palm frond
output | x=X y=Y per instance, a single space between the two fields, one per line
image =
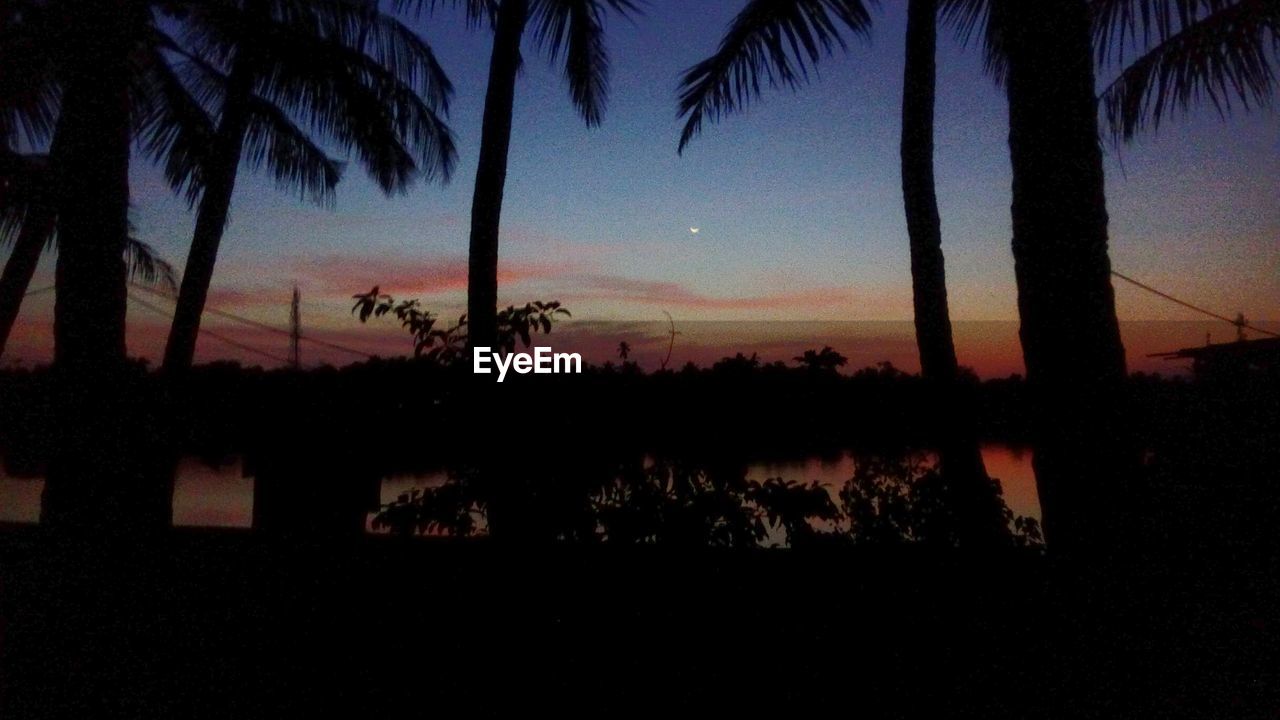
x=1227 y=58
x=350 y=74
x=361 y=26
x=24 y=181
x=771 y=42
x=289 y=154
x=172 y=125
x=354 y=102
x=981 y=22
x=478 y=12
x=147 y=267
x=30 y=96
x=13 y=204
x=1122 y=27
x=576 y=29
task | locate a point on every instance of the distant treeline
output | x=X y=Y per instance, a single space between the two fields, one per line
x=411 y=415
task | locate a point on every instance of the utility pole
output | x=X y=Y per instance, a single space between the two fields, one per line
x=295 y=331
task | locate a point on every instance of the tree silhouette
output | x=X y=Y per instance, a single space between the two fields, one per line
x=90 y=77
x=824 y=360
x=572 y=30
x=446 y=345
x=89 y=49
x=26 y=221
x=1043 y=54
x=35 y=36
x=777 y=43
x=348 y=73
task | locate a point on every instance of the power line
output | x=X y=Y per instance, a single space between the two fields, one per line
x=1238 y=322
x=39 y=291
x=216 y=336
x=265 y=326
x=220 y=313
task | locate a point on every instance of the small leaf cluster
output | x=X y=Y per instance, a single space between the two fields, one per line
x=446 y=345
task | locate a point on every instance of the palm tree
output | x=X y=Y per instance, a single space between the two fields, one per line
x=55 y=79
x=776 y=43
x=361 y=79
x=160 y=108
x=1042 y=53
x=1044 y=56
x=27 y=221
x=90 y=66
x=90 y=481
x=959 y=452
x=86 y=78
x=572 y=29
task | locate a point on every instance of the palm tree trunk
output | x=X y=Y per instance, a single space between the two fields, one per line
x=1070 y=335
x=924 y=228
x=491 y=175
x=211 y=220
x=92 y=480
x=959 y=452
x=482 y=266
x=21 y=267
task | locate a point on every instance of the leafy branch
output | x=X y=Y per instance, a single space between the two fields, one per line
x=446 y=345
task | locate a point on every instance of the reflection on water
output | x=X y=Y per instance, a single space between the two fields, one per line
x=1010 y=465
x=19 y=499
x=203 y=496
x=207 y=496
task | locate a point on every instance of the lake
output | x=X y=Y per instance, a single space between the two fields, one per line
x=207 y=496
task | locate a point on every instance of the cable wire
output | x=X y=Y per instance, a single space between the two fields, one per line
x=1238 y=322
x=265 y=326
x=216 y=336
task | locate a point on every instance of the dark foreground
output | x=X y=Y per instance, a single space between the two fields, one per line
x=208 y=624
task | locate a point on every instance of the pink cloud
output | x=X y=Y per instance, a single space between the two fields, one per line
x=346 y=275
x=672 y=294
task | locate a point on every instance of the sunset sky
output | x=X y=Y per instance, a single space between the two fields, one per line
x=797 y=201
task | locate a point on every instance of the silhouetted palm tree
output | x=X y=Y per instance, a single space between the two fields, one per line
x=1043 y=54
x=28 y=222
x=29 y=110
x=355 y=76
x=101 y=476
x=775 y=43
x=89 y=77
x=41 y=38
x=108 y=64
x=572 y=29
x=91 y=482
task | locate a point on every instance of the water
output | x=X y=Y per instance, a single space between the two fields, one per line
x=1010 y=465
x=206 y=496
